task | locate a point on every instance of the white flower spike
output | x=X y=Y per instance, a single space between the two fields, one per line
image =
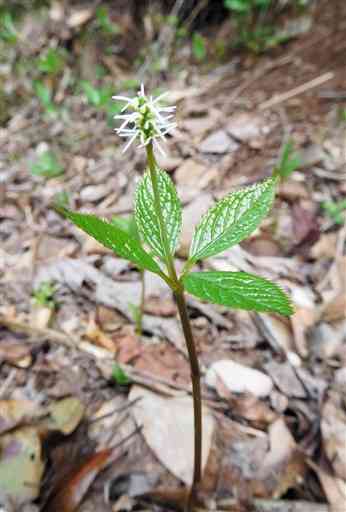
x=147 y=122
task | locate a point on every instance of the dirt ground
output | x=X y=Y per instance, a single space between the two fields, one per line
x=94 y=416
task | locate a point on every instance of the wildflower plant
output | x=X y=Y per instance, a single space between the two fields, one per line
x=158 y=216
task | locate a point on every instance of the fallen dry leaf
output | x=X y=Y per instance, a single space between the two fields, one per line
x=21 y=466
x=333 y=428
x=239 y=378
x=168 y=430
x=219 y=143
x=285 y=378
x=16 y=354
x=65 y=415
x=16 y=412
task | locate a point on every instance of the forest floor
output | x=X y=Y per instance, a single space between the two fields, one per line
x=76 y=380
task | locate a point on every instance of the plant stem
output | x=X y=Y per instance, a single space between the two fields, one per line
x=139 y=319
x=153 y=176
x=178 y=290
x=197 y=399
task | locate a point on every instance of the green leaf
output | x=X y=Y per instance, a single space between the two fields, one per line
x=120 y=376
x=198 y=47
x=289 y=161
x=146 y=217
x=127 y=224
x=232 y=219
x=113 y=238
x=43 y=92
x=47 y=166
x=238 y=290
x=238 y=5
x=52 y=62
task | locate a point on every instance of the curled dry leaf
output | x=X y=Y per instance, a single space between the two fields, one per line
x=168 y=430
x=16 y=354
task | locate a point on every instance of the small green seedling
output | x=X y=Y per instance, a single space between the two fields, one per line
x=100 y=98
x=120 y=376
x=254 y=28
x=52 y=62
x=335 y=211
x=8 y=31
x=44 y=94
x=158 y=216
x=289 y=161
x=104 y=22
x=47 y=166
x=199 y=48
x=44 y=295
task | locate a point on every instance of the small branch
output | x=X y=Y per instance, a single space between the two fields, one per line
x=260 y=505
x=51 y=334
x=280 y=98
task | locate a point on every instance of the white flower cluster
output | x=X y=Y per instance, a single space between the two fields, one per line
x=147 y=122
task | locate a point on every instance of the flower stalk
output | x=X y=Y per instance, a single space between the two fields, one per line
x=179 y=294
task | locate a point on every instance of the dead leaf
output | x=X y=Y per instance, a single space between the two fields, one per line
x=333 y=427
x=251 y=409
x=94 y=333
x=239 y=378
x=285 y=379
x=302 y=320
x=21 y=466
x=334 y=488
x=334 y=303
x=219 y=143
x=265 y=465
x=248 y=127
x=41 y=316
x=16 y=412
x=168 y=430
x=75 y=485
x=65 y=415
x=94 y=193
x=325 y=247
x=17 y=354
x=191 y=173
x=79 y=17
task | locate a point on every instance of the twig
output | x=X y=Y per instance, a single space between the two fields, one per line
x=51 y=334
x=194 y=13
x=271 y=506
x=280 y=98
x=261 y=72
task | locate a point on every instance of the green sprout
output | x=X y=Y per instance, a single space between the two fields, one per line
x=52 y=62
x=120 y=376
x=44 y=295
x=47 y=166
x=105 y=23
x=158 y=217
x=289 y=161
x=45 y=95
x=254 y=30
x=335 y=211
x=101 y=99
x=199 y=49
x=8 y=31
